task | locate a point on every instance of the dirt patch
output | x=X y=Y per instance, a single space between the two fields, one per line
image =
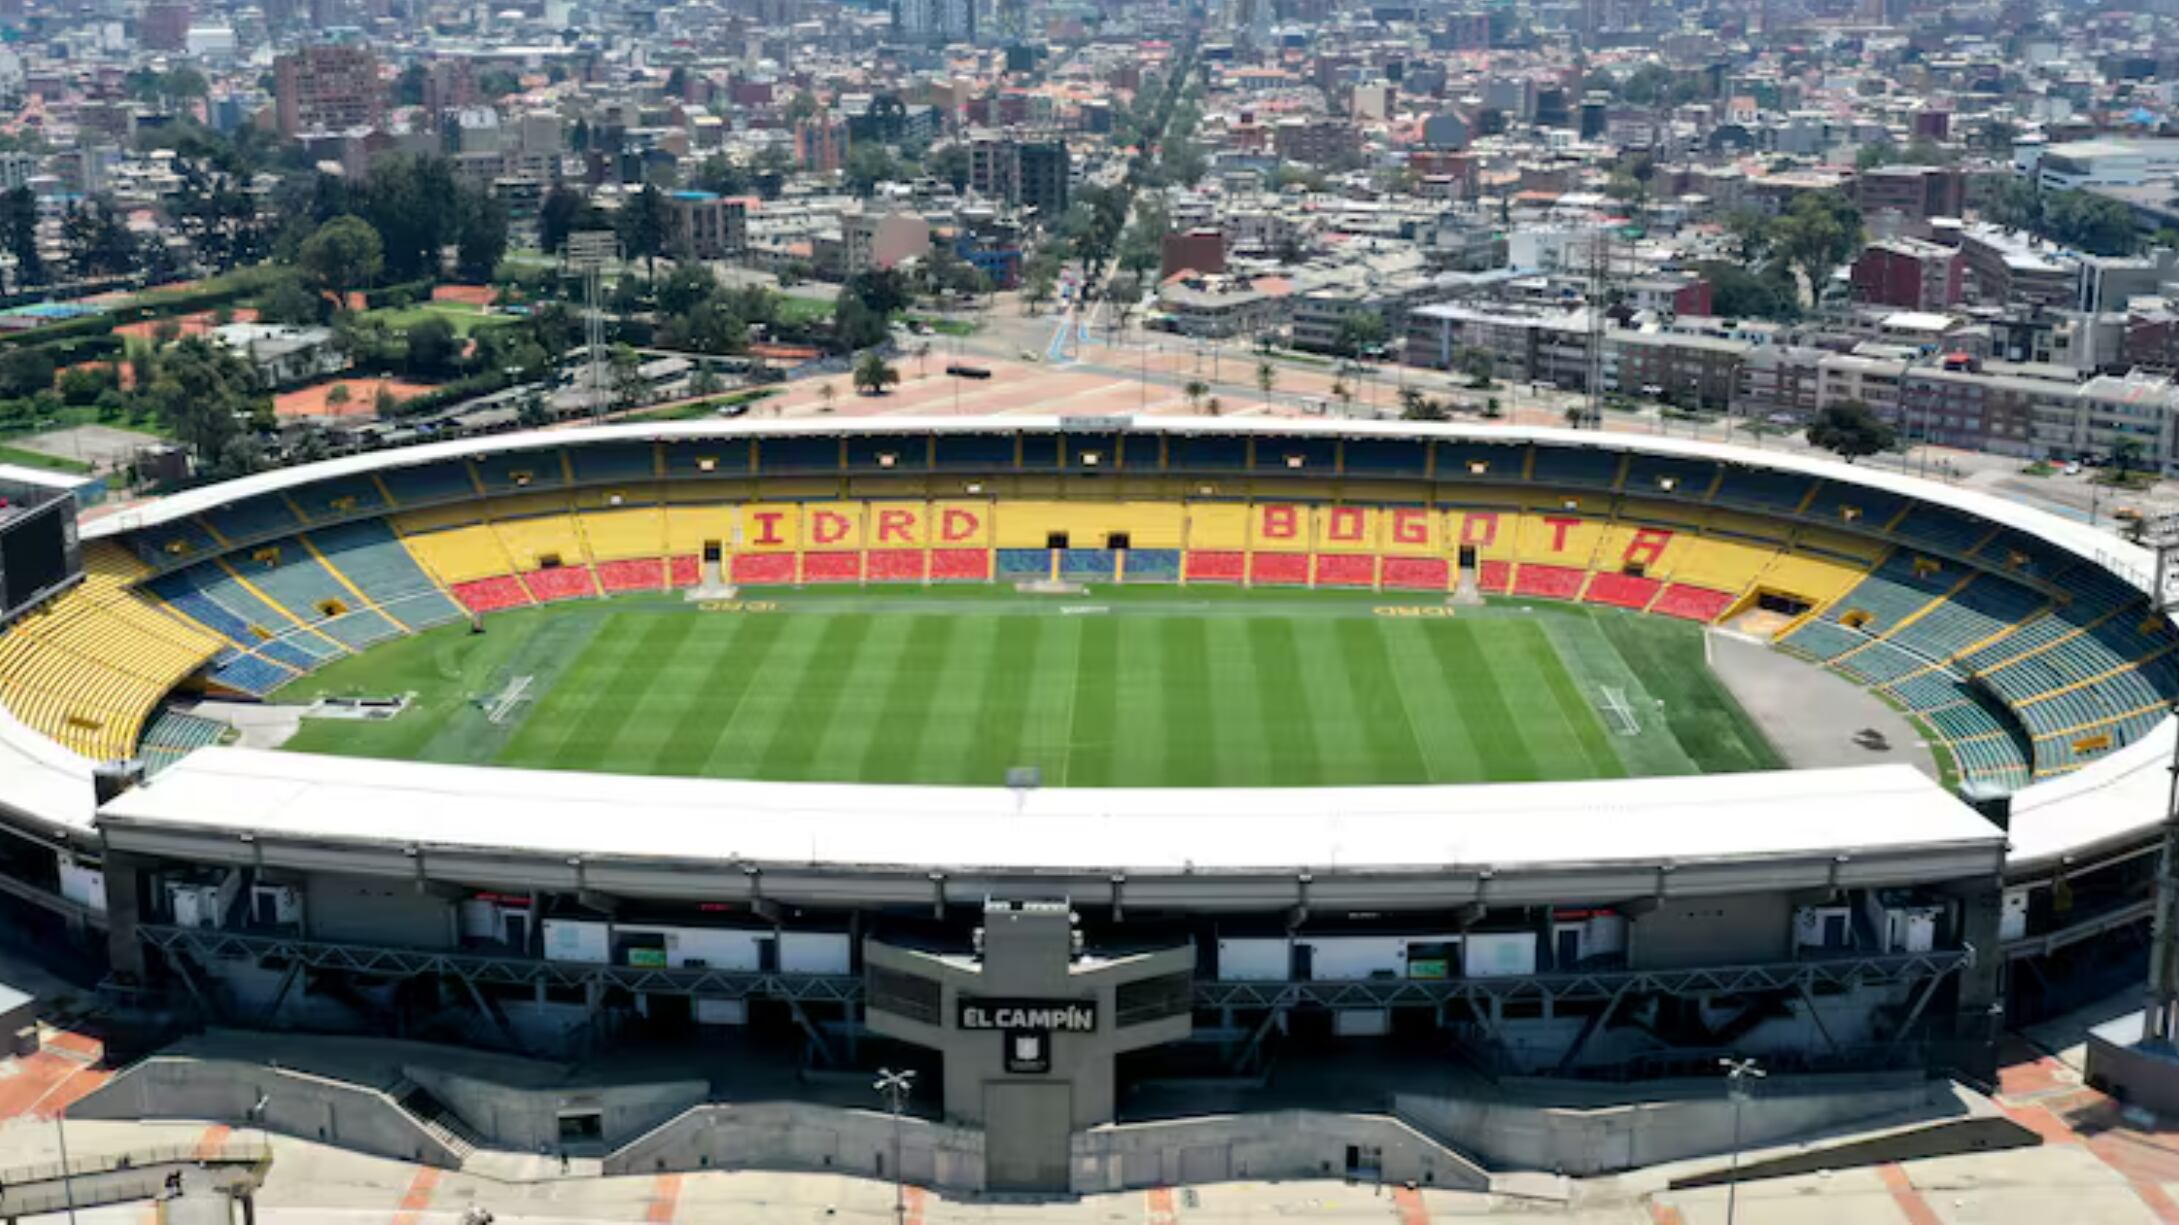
x=362 y=398
x=196 y=324
x=463 y=295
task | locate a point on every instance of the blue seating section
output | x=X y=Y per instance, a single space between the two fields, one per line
x=1942 y=529
x=252 y=519
x=1819 y=639
x=1208 y=454
x=252 y=674
x=1872 y=508
x=725 y=457
x=1893 y=592
x=1387 y=457
x=1024 y=563
x=1658 y=476
x=339 y=498
x=360 y=629
x=616 y=461
x=1083 y=564
x=521 y=470
x=1555 y=466
x=1763 y=490
x=174 y=543
x=1458 y=461
x=373 y=559
x=1153 y=565
x=798 y=455
x=975 y=452
x=445 y=481
x=299 y=584
x=2014 y=553
x=1984 y=607
x=423 y=609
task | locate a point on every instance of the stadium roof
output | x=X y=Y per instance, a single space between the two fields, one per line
x=1866 y=825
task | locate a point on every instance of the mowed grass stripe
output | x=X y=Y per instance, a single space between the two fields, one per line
x=998 y=729
x=1500 y=736
x=706 y=698
x=1595 y=663
x=812 y=698
x=931 y=750
x=1190 y=748
x=1376 y=722
x=1438 y=710
x=852 y=723
x=1285 y=717
x=1240 y=752
x=895 y=726
x=1095 y=723
x=1585 y=742
x=609 y=683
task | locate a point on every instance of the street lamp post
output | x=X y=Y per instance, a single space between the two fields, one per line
x=1737 y=1073
x=896 y=1086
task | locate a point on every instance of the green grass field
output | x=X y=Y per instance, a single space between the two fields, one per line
x=1161 y=687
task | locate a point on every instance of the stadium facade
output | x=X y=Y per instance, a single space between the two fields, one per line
x=1048 y=948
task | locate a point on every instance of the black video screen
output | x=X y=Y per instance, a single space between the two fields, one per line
x=33 y=556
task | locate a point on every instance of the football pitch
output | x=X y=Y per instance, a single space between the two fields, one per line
x=1128 y=687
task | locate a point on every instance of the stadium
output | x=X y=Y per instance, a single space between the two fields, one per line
x=1071 y=758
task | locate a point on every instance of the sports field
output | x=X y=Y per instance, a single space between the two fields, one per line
x=1142 y=687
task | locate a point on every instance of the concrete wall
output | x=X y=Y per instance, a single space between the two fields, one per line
x=1285 y=1144
x=374 y=910
x=1710 y=931
x=799 y=1136
x=296 y=1103
x=525 y=1118
x=1581 y=1141
x=2118 y=1065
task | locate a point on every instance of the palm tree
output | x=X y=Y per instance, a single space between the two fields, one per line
x=1195 y=390
x=1213 y=407
x=1343 y=393
x=1267 y=377
x=825 y=392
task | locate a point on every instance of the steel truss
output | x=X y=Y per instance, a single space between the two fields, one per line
x=207 y=947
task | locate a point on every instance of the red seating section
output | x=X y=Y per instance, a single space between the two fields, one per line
x=561 y=583
x=1693 y=603
x=1215 y=566
x=764 y=568
x=1346 y=570
x=960 y=564
x=1417 y=573
x=1621 y=590
x=832 y=567
x=1279 y=568
x=492 y=594
x=1553 y=582
x=895 y=565
x=631 y=574
x=1491 y=576
x=684 y=571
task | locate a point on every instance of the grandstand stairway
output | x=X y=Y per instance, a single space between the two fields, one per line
x=436 y=1118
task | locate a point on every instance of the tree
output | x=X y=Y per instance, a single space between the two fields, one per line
x=98 y=241
x=1195 y=390
x=1361 y=332
x=344 y=255
x=2125 y=458
x=564 y=211
x=1851 y=430
x=433 y=351
x=2096 y=224
x=1737 y=293
x=873 y=374
x=854 y=324
x=337 y=395
x=643 y=223
x=826 y=392
x=951 y=164
x=480 y=239
x=19 y=236
x=25 y=371
x=1267 y=377
x=868 y=165
x=1821 y=231
x=1343 y=393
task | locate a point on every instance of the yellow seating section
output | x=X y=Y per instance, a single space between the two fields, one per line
x=529 y=541
x=631 y=532
x=87 y=668
x=461 y=554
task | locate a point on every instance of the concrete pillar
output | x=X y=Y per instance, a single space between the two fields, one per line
x=1978 y=1016
x=248 y=1204
x=124 y=951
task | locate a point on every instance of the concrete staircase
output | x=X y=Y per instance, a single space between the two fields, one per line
x=436 y=1118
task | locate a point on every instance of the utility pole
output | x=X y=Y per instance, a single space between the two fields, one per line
x=1737 y=1074
x=896 y=1086
x=1600 y=271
